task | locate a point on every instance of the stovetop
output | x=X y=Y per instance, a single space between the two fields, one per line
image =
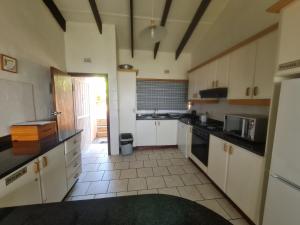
x=210 y=125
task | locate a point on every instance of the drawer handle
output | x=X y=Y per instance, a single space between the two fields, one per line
x=36 y=167
x=225 y=147
x=230 y=150
x=217 y=83
x=255 y=91
x=76 y=176
x=247 y=91
x=45 y=162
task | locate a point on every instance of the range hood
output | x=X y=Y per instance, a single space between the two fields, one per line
x=214 y=93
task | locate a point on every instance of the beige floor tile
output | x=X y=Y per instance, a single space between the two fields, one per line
x=208 y=191
x=82 y=197
x=80 y=189
x=214 y=206
x=155 y=182
x=93 y=176
x=173 y=181
x=178 y=162
x=155 y=155
x=106 y=166
x=229 y=208
x=99 y=187
x=136 y=164
x=115 y=158
x=91 y=160
x=90 y=167
x=147 y=192
x=175 y=170
x=191 y=169
x=166 y=155
x=121 y=166
x=145 y=172
x=190 y=179
x=202 y=178
x=130 y=173
x=178 y=155
x=127 y=193
x=106 y=195
x=164 y=162
x=81 y=177
x=137 y=184
x=118 y=185
x=169 y=191
x=150 y=163
x=190 y=192
x=160 y=171
x=239 y=222
x=142 y=157
x=111 y=175
x=129 y=158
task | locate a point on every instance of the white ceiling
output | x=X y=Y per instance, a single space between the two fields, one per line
x=117 y=12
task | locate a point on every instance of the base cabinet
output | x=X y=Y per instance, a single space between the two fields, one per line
x=156 y=132
x=53 y=175
x=184 y=138
x=239 y=173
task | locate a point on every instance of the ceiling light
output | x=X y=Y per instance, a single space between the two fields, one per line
x=154 y=33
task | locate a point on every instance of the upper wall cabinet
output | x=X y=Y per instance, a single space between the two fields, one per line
x=265 y=66
x=242 y=65
x=222 y=71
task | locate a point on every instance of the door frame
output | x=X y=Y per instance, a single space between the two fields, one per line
x=83 y=75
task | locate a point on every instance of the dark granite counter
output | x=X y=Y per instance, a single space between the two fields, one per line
x=256 y=148
x=12 y=158
x=160 y=116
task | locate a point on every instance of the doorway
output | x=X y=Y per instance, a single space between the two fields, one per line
x=91 y=100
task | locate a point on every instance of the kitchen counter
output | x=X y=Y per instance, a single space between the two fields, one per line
x=162 y=116
x=11 y=160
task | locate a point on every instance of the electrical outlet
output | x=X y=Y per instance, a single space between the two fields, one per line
x=87 y=60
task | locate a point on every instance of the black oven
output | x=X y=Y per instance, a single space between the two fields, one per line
x=200 y=144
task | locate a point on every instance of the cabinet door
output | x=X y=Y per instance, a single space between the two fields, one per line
x=166 y=132
x=21 y=187
x=209 y=75
x=188 y=140
x=146 y=132
x=242 y=65
x=265 y=66
x=53 y=175
x=222 y=71
x=244 y=181
x=127 y=102
x=218 y=161
x=192 y=85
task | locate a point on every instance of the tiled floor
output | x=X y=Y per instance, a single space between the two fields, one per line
x=164 y=171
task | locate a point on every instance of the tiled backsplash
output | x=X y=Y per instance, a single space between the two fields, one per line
x=161 y=95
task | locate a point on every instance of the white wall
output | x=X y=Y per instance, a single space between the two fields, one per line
x=30 y=34
x=150 y=68
x=83 y=40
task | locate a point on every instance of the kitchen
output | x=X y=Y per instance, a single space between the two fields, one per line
x=203 y=126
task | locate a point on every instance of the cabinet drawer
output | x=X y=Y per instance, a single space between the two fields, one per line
x=72 y=155
x=72 y=143
x=73 y=178
x=73 y=166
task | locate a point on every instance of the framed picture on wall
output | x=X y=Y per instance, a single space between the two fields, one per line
x=9 y=64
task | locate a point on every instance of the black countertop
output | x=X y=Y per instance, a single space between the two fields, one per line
x=11 y=159
x=160 y=116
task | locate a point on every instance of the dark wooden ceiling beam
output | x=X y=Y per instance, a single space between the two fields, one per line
x=198 y=15
x=163 y=23
x=96 y=13
x=131 y=29
x=56 y=13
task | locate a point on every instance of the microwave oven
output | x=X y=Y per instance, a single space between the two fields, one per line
x=249 y=127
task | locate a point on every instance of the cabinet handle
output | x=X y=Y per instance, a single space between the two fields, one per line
x=36 y=167
x=45 y=162
x=76 y=176
x=247 y=91
x=255 y=91
x=75 y=153
x=230 y=150
x=213 y=84
x=225 y=147
x=158 y=123
x=217 y=83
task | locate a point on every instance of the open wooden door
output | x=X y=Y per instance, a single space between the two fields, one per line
x=62 y=93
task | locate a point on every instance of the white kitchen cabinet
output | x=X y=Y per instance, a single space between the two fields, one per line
x=146 y=132
x=218 y=161
x=242 y=68
x=53 y=175
x=166 y=132
x=222 y=71
x=239 y=173
x=21 y=187
x=192 y=90
x=208 y=76
x=127 y=102
x=265 y=66
x=244 y=181
x=289 y=45
x=184 y=138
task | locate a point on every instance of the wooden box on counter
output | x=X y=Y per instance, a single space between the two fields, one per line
x=33 y=131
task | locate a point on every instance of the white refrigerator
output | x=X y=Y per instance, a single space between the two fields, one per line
x=283 y=195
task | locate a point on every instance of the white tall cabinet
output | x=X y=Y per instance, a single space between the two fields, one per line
x=127 y=102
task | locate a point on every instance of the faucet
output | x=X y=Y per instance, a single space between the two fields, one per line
x=155 y=112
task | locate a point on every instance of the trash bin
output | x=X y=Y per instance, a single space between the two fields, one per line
x=126 y=141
